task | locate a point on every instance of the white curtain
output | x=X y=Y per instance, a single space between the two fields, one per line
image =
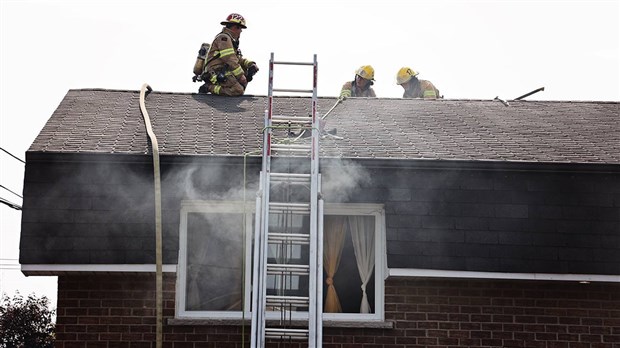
x=363 y=237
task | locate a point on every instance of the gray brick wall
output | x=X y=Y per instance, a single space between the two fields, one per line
x=119 y=311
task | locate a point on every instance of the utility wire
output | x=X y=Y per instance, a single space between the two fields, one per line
x=9 y=264
x=10 y=204
x=10 y=268
x=11 y=192
x=12 y=155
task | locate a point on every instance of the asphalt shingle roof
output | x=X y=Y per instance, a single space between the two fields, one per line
x=109 y=121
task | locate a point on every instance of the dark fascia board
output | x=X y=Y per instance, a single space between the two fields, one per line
x=383 y=163
x=484 y=165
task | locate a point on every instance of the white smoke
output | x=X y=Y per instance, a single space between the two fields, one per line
x=341 y=179
x=209 y=182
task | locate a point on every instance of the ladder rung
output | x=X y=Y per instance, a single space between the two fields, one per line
x=294 y=301
x=286 y=333
x=290 y=177
x=291 y=148
x=278 y=269
x=294 y=238
x=291 y=119
x=277 y=207
x=293 y=63
x=293 y=90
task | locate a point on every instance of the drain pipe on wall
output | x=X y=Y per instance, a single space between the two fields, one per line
x=158 y=228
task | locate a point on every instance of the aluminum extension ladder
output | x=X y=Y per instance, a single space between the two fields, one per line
x=278 y=313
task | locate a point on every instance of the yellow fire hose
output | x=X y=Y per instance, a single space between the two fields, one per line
x=158 y=227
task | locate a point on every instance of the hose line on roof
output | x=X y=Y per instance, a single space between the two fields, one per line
x=304 y=129
x=333 y=107
x=158 y=227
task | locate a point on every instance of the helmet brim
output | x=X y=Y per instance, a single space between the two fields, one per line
x=372 y=79
x=241 y=25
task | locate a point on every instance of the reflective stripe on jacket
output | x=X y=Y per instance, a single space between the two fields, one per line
x=224 y=53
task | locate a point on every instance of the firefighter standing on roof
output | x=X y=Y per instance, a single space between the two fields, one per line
x=360 y=86
x=414 y=88
x=226 y=71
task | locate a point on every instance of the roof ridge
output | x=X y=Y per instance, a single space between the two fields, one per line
x=335 y=97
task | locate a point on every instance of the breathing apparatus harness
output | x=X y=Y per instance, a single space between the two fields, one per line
x=220 y=73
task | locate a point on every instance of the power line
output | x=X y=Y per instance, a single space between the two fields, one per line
x=11 y=192
x=9 y=264
x=12 y=155
x=10 y=204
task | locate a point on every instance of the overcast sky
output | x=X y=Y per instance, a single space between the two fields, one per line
x=468 y=49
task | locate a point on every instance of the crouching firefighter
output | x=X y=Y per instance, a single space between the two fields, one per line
x=226 y=72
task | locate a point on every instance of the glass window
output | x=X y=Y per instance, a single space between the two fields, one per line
x=214 y=265
x=349 y=262
x=216 y=245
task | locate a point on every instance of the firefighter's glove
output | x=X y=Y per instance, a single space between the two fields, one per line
x=221 y=77
x=243 y=80
x=252 y=70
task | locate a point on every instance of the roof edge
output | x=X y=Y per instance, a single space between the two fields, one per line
x=396 y=163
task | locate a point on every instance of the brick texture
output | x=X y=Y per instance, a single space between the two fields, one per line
x=119 y=311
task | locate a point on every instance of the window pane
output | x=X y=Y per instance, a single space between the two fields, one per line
x=214 y=261
x=287 y=252
x=347 y=280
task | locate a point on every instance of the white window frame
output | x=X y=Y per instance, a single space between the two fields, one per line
x=211 y=207
x=347 y=209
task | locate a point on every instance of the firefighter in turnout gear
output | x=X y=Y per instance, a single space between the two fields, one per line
x=226 y=72
x=415 y=88
x=360 y=86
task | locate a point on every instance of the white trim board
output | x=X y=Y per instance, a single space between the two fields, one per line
x=34 y=268
x=435 y=273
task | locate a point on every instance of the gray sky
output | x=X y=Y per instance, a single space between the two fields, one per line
x=468 y=49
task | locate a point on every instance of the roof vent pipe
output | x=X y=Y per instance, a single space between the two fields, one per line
x=529 y=94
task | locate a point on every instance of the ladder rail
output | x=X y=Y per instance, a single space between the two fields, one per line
x=319 y=272
x=258 y=312
x=314 y=193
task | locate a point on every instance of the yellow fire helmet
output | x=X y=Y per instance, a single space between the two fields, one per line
x=404 y=75
x=366 y=72
x=235 y=18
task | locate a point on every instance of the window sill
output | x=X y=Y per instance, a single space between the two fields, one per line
x=326 y=323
